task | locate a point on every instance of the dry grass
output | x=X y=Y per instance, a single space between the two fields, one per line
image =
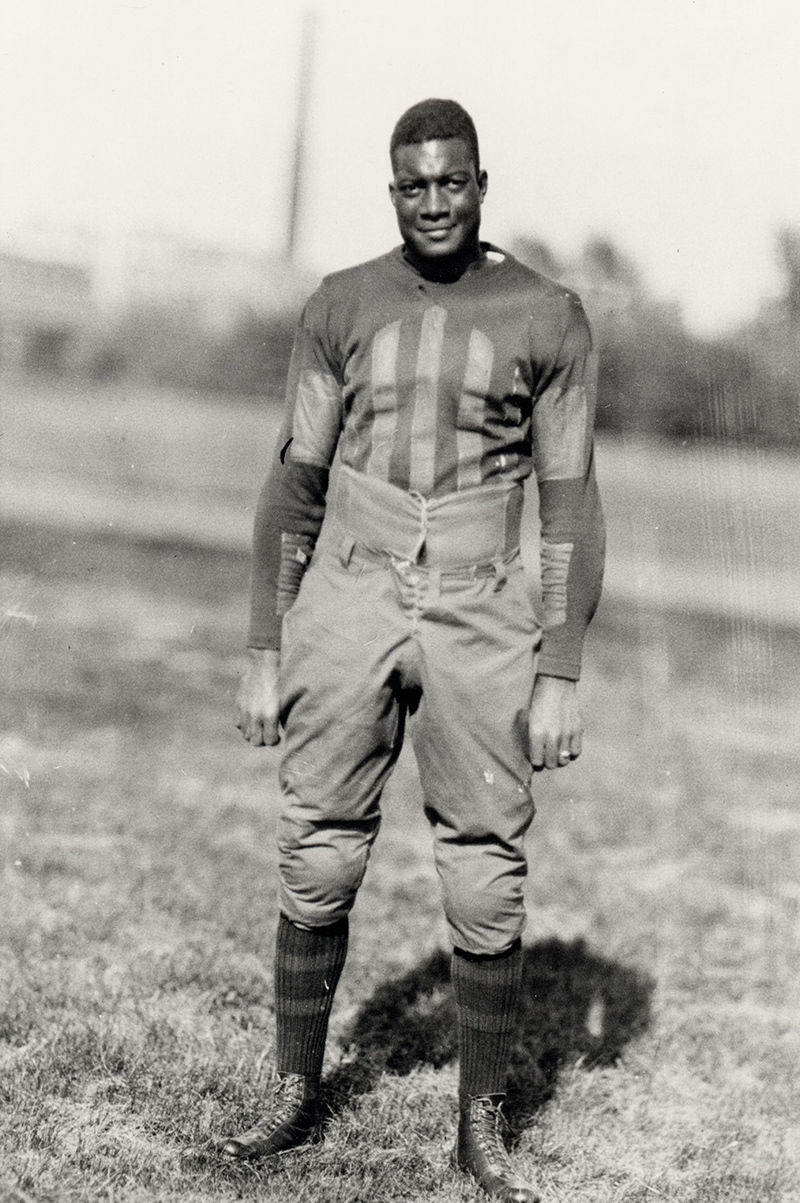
x=661 y=1046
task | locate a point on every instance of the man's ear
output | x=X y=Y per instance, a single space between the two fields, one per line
x=392 y=193
x=483 y=184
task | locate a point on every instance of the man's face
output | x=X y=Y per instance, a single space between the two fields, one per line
x=437 y=196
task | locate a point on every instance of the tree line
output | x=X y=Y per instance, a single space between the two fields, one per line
x=657 y=378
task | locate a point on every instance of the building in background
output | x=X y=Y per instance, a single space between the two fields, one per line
x=49 y=320
x=75 y=301
x=213 y=284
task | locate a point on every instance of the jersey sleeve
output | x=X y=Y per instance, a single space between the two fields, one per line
x=572 y=548
x=291 y=505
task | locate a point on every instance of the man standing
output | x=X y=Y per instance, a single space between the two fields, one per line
x=444 y=373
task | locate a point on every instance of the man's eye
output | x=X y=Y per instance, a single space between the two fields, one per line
x=410 y=189
x=456 y=185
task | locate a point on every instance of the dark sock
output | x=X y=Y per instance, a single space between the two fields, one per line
x=487 y=992
x=308 y=964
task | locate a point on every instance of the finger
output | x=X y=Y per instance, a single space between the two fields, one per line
x=269 y=730
x=576 y=745
x=244 y=721
x=262 y=733
x=551 y=754
x=537 y=753
x=251 y=730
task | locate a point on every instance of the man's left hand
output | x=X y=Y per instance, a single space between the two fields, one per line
x=556 y=727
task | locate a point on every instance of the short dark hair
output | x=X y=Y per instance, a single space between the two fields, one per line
x=433 y=119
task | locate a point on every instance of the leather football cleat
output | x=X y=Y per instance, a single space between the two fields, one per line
x=291 y=1119
x=480 y=1151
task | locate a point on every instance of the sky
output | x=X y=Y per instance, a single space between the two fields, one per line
x=668 y=125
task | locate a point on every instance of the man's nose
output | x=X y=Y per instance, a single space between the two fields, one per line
x=436 y=202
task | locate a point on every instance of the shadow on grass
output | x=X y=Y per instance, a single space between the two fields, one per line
x=577 y=1006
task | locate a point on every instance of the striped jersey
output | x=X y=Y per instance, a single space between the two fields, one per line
x=442 y=387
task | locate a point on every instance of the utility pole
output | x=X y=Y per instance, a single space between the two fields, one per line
x=308 y=32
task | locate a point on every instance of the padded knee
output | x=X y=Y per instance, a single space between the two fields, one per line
x=484 y=921
x=321 y=872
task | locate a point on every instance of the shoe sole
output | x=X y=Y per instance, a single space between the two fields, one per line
x=314 y=1137
x=455 y=1164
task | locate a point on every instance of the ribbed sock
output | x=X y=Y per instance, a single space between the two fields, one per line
x=487 y=992
x=308 y=964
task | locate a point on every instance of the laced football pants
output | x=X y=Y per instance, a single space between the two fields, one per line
x=411 y=606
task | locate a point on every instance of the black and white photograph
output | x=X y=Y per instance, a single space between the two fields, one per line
x=399 y=601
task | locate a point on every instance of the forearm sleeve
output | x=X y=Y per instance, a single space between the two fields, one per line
x=572 y=546
x=562 y=644
x=291 y=506
x=288 y=519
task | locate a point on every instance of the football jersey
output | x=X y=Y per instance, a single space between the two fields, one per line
x=438 y=388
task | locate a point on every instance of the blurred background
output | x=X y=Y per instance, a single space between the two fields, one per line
x=176 y=175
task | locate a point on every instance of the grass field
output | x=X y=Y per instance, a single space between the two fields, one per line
x=660 y=1052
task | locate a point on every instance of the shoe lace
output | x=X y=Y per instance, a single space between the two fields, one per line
x=287 y=1096
x=486 y=1120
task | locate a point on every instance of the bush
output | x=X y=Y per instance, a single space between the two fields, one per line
x=657 y=378
x=168 y=345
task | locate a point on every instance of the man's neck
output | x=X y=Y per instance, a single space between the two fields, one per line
x=445 y=270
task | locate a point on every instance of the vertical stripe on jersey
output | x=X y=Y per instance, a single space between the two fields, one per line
x=422 y=474
x=472 y=409
x=384 y=399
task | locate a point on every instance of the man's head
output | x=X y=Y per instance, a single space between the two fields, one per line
x=435 y=121
x=438 y=186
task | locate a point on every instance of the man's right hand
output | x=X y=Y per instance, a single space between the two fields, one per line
x=258 y=698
